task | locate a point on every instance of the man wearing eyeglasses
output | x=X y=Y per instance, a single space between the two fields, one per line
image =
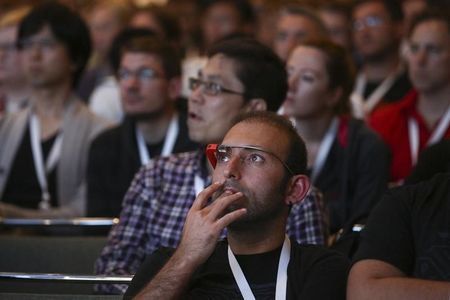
x=377 y=32
x=258 y=174
x=241 y=75
x=149 y=80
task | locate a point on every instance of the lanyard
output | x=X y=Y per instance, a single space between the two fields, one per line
x=324 y=149
x=361 y=106
x=169 y=141
x=281 y=286
x=199 y=184
x=436 y=136
x=53 y=157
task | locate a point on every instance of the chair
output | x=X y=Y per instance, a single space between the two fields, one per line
x=44 y=254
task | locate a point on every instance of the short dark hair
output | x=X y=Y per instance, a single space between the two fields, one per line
x=340 y=70
x=393 y=8
x=429 y=15
x=258 y=68
x=68 y=28
x=243 y=7
x=140 y=40
x=166 y=21
x=297 y=157
x=296 y=9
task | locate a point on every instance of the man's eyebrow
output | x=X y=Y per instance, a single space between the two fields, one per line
x=209 y=77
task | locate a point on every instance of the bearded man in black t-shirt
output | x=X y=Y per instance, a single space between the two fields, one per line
x=259 y=172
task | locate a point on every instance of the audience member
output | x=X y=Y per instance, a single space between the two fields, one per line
x=44 y=147
x=149 y=80
x=259 y=173
x=337 y=20
x=15 y=89
x=106 y=18
x=105 y=99
x=241 y=75
x=422 y=118
x=404 y=248
x=346 y=160
x=295 y=25
x=219 y=19
x=377 y=33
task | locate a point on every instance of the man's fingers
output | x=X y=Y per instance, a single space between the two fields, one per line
x=204 y=195
x=230 y=217
x=220 y=204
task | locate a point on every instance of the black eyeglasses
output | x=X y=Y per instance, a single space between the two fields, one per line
x=210 y=88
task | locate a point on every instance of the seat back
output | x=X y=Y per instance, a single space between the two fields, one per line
x=44 y=254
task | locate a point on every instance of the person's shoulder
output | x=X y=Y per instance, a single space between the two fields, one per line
x=184 y=162
x=316 y=254
x=390 y=112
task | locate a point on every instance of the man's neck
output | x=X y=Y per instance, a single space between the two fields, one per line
x=154 y=129
x=313 y=129
x=434 y=104
x=377 y=70
x=257 y=241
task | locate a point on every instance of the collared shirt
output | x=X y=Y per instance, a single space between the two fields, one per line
x=155 y=208
x=391 y=122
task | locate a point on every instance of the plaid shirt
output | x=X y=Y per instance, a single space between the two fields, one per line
x=155 y=209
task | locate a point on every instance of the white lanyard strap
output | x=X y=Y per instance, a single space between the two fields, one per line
x=169 y=141
x=53 y=157
x=436 y=136
x=281 y=285
x=324 y=149
x=362 y=106
x=199 y=185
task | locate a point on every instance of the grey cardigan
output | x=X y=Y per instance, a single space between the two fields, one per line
x=80 y=126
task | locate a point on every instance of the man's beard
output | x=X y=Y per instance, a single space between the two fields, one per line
x=259 y=211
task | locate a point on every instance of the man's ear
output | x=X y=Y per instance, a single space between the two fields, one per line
x=174 y=88
x=256 y=104
x=297 y=189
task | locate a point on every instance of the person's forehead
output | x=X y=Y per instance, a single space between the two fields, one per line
x=44 y=32
x=8 y=32
x=221 y=68
x=257 y=134
x=433 y=28
x=141 y=58
x=307 y=56
x=370 y=8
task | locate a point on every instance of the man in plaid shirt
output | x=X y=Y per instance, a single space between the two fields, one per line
x=241 y=75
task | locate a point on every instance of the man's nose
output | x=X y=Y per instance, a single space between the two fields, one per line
x=233 y=168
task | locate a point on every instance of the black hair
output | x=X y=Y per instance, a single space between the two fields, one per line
x=393 y=8
x=243 y=7
x=143 y=40
x=68 y=28
x=259 y=69
x=297 y=155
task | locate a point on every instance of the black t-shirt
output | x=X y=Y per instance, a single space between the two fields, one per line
x=410 y=229
x=398 y=90
x=22 y=188
x=313 y=273
x=433 y=160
